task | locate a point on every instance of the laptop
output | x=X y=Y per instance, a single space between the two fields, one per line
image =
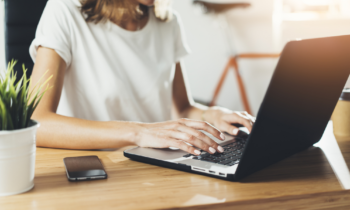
x=304 y=90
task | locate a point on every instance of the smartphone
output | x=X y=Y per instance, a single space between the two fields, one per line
x=84 y=168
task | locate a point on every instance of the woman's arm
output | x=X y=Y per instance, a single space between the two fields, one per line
x=58 y=131
x=220 y=117
x=66 y=132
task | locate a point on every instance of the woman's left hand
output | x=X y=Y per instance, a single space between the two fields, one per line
x=223 y=119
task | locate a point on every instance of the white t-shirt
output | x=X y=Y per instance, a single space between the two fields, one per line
x=112 y=73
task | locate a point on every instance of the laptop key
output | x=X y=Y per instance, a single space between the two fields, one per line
x=232 y=163
x=226 y=162
x=205 y=154
x=230 y=156
x=187 y=155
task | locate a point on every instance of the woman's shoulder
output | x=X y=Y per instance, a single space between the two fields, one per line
x=176 y=18
x=68 y=3
x=71 y=5
x=62 y=10
x=175 y=15
x=173 y=21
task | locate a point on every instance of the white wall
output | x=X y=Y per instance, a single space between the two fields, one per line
x=208 y=49
x=2 y=44
x=252 y=32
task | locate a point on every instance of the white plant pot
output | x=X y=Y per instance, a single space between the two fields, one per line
x=17 y=159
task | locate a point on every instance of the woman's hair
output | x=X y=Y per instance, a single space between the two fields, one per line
x=117 y=10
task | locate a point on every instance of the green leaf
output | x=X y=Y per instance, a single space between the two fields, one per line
x=15 y=108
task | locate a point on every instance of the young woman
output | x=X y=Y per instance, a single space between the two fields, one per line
x=117 y=78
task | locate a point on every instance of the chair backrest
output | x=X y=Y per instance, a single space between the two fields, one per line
x=21 y=20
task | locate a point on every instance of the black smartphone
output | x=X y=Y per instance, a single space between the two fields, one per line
x=84 y=168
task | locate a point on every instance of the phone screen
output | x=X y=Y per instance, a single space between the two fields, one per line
x=84 y=168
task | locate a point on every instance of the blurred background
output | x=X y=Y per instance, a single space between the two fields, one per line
x=263 y=27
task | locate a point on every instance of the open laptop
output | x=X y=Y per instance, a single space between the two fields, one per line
x=298 y=104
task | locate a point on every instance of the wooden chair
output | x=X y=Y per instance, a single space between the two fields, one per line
x=216 y=7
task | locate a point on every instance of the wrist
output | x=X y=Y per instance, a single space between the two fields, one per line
x=203 y=116
x=136 y=132
x=209 y=114
x=126 y=132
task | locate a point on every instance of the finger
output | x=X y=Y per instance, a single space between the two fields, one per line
x=251 y=117
x=239 y=118
x=201 y=125
x=245 y=121
x=230 y=129
x=198 y=139
x=171 y=142
x=188 y=138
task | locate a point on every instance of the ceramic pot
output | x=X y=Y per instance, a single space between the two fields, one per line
x=17 y=159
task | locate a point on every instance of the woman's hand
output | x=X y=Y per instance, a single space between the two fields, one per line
x=179 y=133
x=223 y=119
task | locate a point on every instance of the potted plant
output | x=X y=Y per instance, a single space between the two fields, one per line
x=17 y=131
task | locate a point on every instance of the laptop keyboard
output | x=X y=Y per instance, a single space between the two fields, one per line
x=231 y=155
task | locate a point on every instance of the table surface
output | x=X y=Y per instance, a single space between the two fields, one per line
x=317 y=178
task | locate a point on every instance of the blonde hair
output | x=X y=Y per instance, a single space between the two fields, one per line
x=118 y=10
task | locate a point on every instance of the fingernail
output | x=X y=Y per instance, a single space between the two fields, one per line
x=235 y=131
x=222 y=136
x=197 y=152
x=212 y=150
x=220 y=149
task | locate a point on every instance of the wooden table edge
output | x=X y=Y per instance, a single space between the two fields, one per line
x=324 y=200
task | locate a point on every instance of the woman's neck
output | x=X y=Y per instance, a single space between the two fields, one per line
x=134 y=25
x=130 y=24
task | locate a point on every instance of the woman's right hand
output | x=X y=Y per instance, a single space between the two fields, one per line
x=177 y=134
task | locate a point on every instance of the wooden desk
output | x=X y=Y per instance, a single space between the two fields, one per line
x=314 y=179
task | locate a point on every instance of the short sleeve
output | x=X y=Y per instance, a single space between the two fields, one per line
x=53 y=31
x=181 y=47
